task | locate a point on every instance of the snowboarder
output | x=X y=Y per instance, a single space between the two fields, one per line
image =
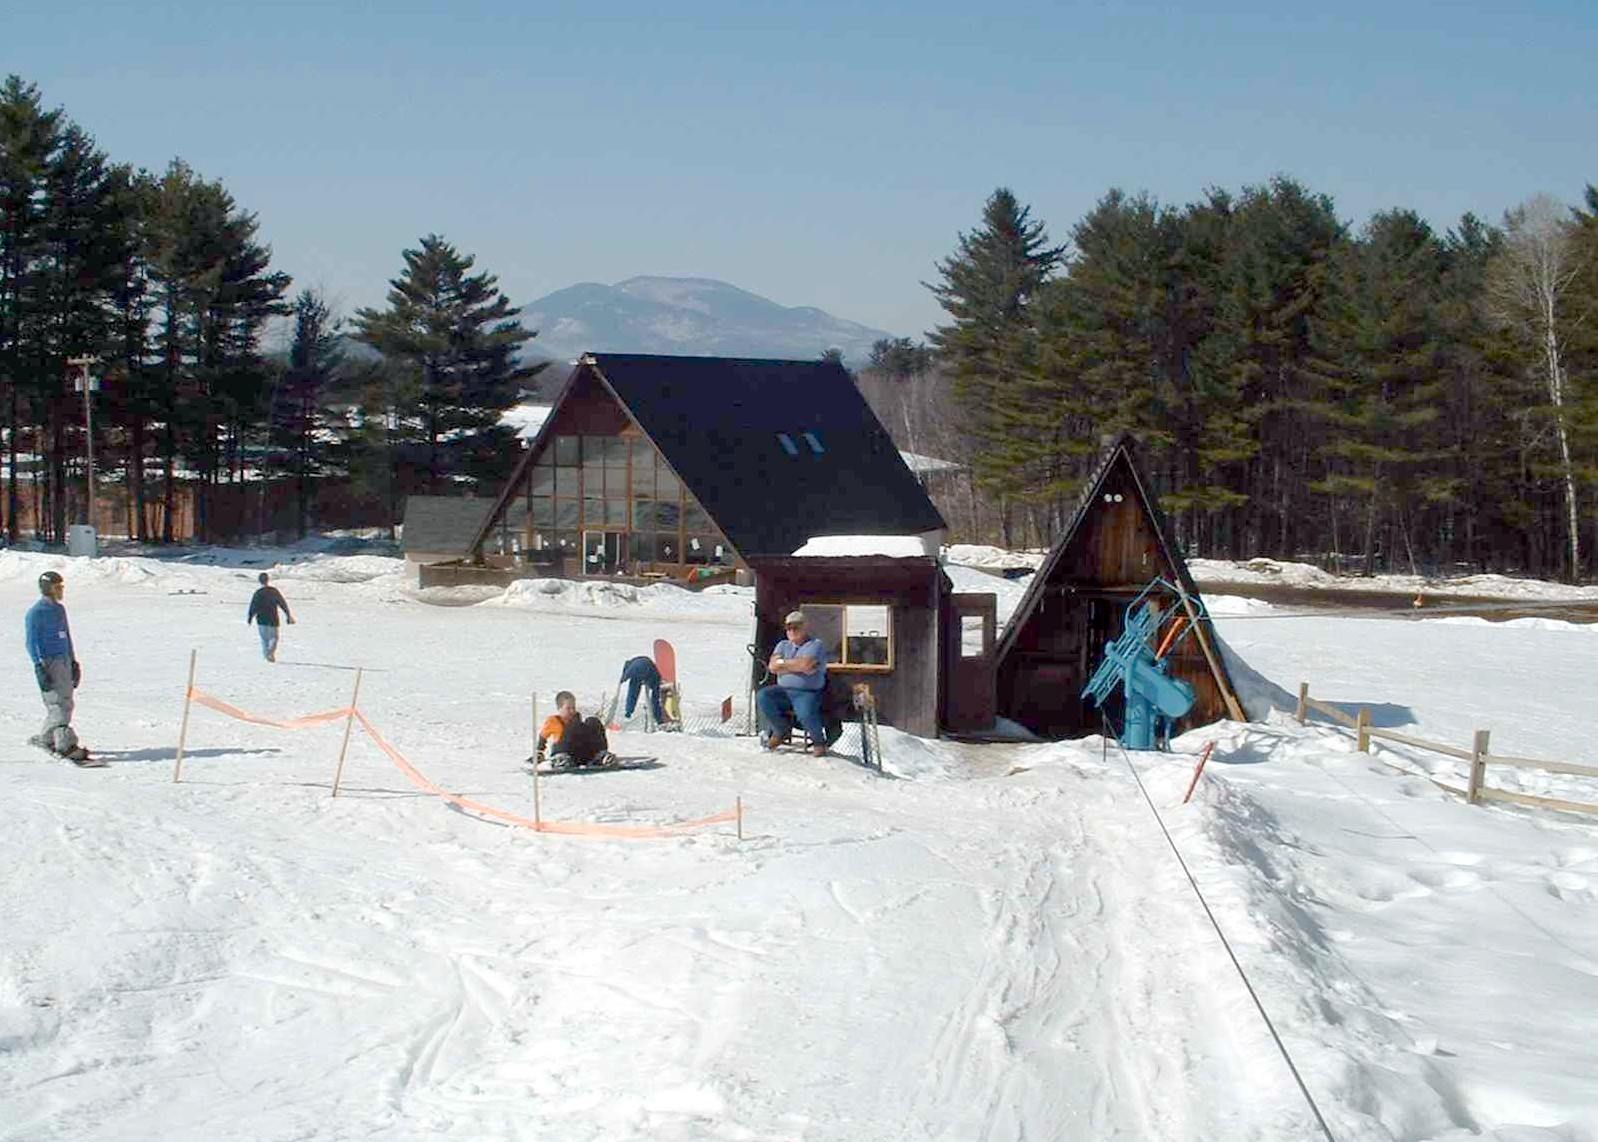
x=800 y=663
x=264 y=605
x=572 y=740
x=642 y=673
x=56 y=668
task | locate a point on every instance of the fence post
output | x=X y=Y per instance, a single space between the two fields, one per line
x=183 y=732
x=1303 y=703
x=348 y=722
x=1362 y=727
x=1478 y=766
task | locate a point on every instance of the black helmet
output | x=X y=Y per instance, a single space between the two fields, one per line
x=47 y=581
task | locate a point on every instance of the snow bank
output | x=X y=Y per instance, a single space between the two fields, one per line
x=1010 y=592
x=1282 y=573
x=994 y=558
x=598 y=596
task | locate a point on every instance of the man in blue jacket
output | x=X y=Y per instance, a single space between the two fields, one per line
x=56 y=668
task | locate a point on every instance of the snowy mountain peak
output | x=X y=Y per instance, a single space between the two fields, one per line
x=690 y=316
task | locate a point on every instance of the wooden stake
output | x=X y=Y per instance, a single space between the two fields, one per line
x=740 y=803
x=349 y=721
x=1478 y=767
x=1232 y=706
x=1303 y=703
x=183 y=732
x=1362 y=728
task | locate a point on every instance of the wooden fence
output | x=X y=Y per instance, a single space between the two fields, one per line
x=1478 y=756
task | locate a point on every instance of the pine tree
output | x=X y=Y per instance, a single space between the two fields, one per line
x=297 y=423
x=986 y=288
x=458 y=335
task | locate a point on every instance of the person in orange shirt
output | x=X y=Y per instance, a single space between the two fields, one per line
x=571 y=740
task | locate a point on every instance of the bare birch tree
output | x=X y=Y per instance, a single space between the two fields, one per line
x=1526 y=290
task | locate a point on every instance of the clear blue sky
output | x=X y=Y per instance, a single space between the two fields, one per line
x=817 y=152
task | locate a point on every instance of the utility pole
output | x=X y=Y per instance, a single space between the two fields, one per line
x=87 y=383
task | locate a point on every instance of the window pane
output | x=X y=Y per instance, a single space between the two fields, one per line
x=666 y=486
x=826 y=623
x=566 y=455
x=867 y=631
x=666 y=548
x=593 y=511
x=694 y=517
x=544 y=477
x=543 y=510
x=615 y=452
x=566 y=541
x=616 y=513
x=971 y=636
x=641 y=545
x=565 y=513
x=697 y=549
x=666 y=515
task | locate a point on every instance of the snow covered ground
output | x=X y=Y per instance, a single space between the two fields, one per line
x=990 y=942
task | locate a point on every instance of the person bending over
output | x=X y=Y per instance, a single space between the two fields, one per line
x=571 y=740
x=799 y=662
x=641 y=673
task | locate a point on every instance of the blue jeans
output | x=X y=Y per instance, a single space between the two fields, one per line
x=640 y=673
x=268 y=633
x=781 y=706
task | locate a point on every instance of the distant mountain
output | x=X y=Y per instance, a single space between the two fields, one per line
x=696 y=317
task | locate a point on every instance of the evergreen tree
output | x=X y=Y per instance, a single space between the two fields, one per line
x=457 y=334
x=297 y=422
x=986 y=287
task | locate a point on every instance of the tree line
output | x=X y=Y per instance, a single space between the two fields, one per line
x=159 y=287
x=1389 y=397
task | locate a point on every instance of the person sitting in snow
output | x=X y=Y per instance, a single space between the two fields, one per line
x=571 y=740
x=799 y=662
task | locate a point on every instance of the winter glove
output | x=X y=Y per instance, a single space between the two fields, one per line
x=77 y=672
x=43 y=676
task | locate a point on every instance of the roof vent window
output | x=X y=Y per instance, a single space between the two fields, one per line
x=787 y=443
x=814 y=441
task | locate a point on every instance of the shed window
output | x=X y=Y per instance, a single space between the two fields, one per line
x=787 y=443
x=814 y=441
x=857 y=636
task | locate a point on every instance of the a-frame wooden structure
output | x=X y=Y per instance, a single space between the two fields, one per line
x=1115 y=545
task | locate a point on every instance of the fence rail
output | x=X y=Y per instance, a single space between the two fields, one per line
x=1477 y=756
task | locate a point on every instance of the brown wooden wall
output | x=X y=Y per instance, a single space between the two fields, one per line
x=907 y=697
x=1110 y=558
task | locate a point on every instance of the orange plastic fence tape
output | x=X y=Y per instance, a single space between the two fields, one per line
x=306 y=722
x=572 y=828
x=422 y=782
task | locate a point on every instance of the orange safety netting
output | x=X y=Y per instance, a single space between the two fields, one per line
x=422 y=782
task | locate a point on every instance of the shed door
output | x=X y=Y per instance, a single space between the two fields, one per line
x=971 y=704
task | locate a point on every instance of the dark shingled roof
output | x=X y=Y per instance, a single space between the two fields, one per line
x=716 y=420
x=445 y=525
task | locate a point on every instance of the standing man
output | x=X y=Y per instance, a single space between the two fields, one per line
x=56 y=668
x=264 y=605
x=800 y=664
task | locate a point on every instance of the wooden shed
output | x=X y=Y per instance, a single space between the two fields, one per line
x=893 y=622
x=1115 y=544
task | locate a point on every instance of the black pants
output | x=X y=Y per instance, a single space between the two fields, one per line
x=584 y=741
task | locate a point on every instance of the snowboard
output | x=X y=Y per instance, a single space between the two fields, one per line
x=666 y=661
x=78 y=756
x=544 y=769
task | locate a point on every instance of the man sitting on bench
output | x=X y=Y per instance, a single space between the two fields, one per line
x=799 y=662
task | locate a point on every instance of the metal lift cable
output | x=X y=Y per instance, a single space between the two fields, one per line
x=1225 y=943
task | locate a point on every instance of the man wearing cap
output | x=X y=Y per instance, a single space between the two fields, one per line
x=799 y=662
x=56 y=668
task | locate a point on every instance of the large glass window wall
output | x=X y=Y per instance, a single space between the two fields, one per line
x=622 y=486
